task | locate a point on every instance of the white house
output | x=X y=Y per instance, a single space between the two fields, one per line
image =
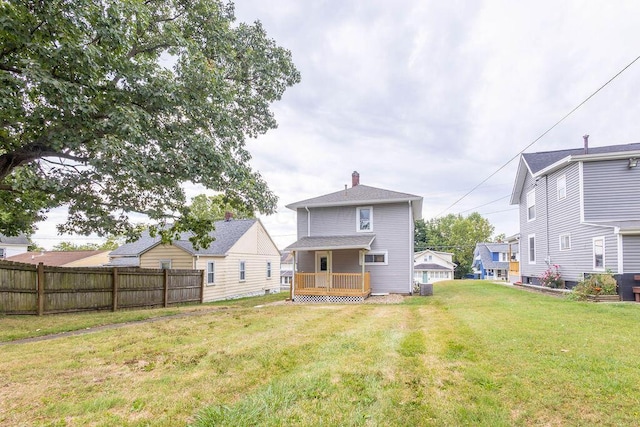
x=431 y=266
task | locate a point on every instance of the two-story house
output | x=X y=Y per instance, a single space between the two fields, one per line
x=491 y=261
x=13 y=245
x=431 y=266
x=354 y=242
x=580 y=210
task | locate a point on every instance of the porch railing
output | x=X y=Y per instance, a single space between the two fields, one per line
x=344 y=284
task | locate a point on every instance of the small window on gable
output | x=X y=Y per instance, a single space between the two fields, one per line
x=165 y=264
x=376 y=258
x=565 y=242
x=268 y=269
x=598 y=253
x=211 y=272
x=531 y=205
x=243 y=272
x=561 y=185
x=364 y=218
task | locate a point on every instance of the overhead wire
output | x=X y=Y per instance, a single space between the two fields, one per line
x=542 y=135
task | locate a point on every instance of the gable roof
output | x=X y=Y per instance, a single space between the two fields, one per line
x=361 y=195
x=14 y=240
x=430 y=266
x=483 y=253
x=53 y=258
x=544 y=162
x=226 y=234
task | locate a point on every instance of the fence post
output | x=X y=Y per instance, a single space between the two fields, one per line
x=114 y=298
x=40 y=281
x=202 y=284
x=166 y=287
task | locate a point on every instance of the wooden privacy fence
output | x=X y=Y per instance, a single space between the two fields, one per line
x=40 y=289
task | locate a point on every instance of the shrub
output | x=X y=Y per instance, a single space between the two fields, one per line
x=552 y=278
x=596 y=284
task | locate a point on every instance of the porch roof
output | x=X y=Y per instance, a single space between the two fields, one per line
x=323 y=243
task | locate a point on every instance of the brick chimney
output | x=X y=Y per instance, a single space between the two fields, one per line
x=586 y=144
x=355 y=179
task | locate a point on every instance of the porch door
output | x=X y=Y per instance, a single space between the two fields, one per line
x=323 y=269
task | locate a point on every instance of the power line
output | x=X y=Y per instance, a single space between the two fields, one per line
x=488 y=203
x=542 y=135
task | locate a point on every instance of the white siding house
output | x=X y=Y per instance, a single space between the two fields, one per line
x=432 y=266
x=10 y=246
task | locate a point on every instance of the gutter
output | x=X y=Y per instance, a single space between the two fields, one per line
x=308 y=222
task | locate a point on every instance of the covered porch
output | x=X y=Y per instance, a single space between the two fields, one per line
x=331 y=268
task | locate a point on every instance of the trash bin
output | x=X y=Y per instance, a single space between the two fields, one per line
x=426 y=289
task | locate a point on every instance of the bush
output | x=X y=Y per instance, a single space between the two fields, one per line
x=552 y=278
x=596 y=284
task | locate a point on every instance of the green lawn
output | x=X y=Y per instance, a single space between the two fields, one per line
x=475 y=353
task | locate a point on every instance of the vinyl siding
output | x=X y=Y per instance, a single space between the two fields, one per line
x=97 y=260
x=631 y=250
x=394 y=234
x=180 y=259
x=538 y=226
x=611 y=191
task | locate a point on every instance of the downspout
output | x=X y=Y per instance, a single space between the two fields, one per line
x=293 y=277
x=410 y=249
x=546 y=206
x=308 y=222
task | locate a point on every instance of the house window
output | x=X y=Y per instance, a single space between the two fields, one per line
x=598 y=253
x=561 y=185
x=531 y=205
x=532 y=249
x=211 y=272
x=268 y=269
x=165 y=264
x=503 y=257
x=376 y=258
x=364 y=216
x=1 y=252
x=565 y=242
x=243 y=273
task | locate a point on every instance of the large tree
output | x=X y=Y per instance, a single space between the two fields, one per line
x=456 y=234
x=108 y=107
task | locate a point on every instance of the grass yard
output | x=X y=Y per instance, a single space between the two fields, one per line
x=475 y=353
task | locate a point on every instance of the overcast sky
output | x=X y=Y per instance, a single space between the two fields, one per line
x=432 y=97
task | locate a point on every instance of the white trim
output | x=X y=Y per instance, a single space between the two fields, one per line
x=529 y=248
x=213 y=271
x=581 y=181
x=378 y=252
x=620 y=254
x=593 y=253
x=561 y=179
x=568 y=248
x=532 y=205
x=269 y=271
x=242 y=271
x=358 y=228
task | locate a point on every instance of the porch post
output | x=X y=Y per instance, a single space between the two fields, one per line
x=362 y=277
x=293 y=276
x=330 y=268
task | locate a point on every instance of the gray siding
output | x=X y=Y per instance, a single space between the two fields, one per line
x=611 y=191
x=631 y=250
x=555 y=217
x=394 y=234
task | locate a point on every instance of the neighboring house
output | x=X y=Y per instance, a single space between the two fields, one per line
x=10 y=246
x=354 y=242
x=491 y=261
x=286 y=269
x=242 y=261
x=580 y=210
x=64 y=258
x=514 y=258
x=432 y=266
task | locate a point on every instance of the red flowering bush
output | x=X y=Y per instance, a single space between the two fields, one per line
x=552 y=278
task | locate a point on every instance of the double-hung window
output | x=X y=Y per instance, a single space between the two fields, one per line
x=243 y=272
x=531 y=205
x=532 y=248
x=565 y=242
x=364 y=218
x=598 y=253
x=561 y=185
x=211 y=272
